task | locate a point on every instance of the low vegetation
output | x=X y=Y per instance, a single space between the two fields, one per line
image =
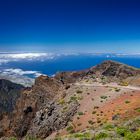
x=123 y=83
x=127 y=102
x=80 y=113
x=117 y=89
x=103 y=97
x=127 y=131
x=137 y=109
x=61 y=101
x=79 y=91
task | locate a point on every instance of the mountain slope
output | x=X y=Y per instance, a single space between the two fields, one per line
x=73 y=102
x=111 y=69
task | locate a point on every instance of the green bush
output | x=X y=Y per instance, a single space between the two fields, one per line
x=123 y=83
x=103 y=97
x=101 y=135
x=127 y=102
x=93 y=112
x=70 y=129
x=80 y=113
x=117 y=89
x=138 y=109
x=136 y=135
x=61 y=101
x=133 y=136
x=73 y=98
x=109 y=127
x=82 y=135
x=79 y=91
x=122 y=131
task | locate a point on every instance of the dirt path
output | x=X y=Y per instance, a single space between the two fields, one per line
x=111 y=85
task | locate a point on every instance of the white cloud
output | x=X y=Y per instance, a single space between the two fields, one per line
x=9 y=57
x=20 y=72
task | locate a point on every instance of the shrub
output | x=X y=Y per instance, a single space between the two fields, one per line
x=58 y=138
x=61 y=101
x=138 y=109
x=79 y=91
x=109 y=127
x=133 y=136
x=103 y=97
x=98 y=121
x=96 y=107
x=123 y=83
x=93 y=112
x=101 y=135
x=73 y=98
x=70 y=129
x=136 y=135
x=82 y=136
x=78 y=118
x=80 y=113
x=122 y=131
x=90 y=122
x=127 y=102
x=67 y=87
x=80 y=98
x=117 y=89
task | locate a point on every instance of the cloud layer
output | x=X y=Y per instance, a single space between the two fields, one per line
x=20 y=72
x=9 y=57
x=12 y=57
x=26 y=78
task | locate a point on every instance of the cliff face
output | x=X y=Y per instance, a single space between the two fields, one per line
x=38 y=112
x=9 y=93
x=52 y=102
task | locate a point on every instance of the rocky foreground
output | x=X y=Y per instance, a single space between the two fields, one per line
x=91 y=104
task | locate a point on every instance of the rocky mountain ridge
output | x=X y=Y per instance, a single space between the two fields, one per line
x=53 y=102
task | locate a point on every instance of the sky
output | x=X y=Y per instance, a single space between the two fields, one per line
x=99 y=26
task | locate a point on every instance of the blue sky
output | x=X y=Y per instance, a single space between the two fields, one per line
x=70 y=25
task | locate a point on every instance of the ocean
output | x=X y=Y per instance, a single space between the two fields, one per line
x=67 y=63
